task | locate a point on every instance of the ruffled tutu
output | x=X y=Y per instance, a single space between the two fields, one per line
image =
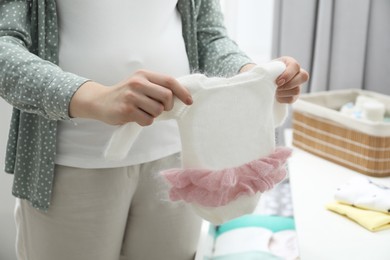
x=214 y=188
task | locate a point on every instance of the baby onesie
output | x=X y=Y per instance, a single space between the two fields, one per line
x=364 y=193
x=228 y=142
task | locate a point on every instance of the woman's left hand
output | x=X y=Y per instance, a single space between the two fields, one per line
x=290 y=81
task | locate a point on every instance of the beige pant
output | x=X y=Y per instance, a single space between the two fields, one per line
x=108 y=214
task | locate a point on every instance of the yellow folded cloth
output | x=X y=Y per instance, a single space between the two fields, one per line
x=371 y=220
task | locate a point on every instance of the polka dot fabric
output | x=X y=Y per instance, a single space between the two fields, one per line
x=40 y=91
x=209 y=49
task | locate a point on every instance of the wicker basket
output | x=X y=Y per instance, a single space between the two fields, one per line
x=360 y=145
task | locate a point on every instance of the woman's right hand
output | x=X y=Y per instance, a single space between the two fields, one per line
x=140 y=98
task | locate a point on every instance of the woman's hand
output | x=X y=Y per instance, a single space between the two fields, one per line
x=290 y=81
x=140 y=98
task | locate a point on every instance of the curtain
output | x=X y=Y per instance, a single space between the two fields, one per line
x=343 y=44
x=249 y=23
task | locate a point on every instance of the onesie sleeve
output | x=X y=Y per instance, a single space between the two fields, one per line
x=27 y=82
x=218 y=54
x=280 y=113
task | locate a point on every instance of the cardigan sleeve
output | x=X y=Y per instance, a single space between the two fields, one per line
x=27 y=82
x=218 y=54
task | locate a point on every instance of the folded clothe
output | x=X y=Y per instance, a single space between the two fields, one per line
x=213 y=188
x=253 y=237
x=273 y=223
x=255 y=241
x=364 y=193
x=254 y=255
x=285 y=244
x=241 y=240
x=371 y=220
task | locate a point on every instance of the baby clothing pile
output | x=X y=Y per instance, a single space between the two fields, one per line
x=364 y=201
x=256 y=237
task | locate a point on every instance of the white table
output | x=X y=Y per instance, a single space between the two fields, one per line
x=322 y=234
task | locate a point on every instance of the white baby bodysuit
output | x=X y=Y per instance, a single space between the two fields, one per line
x=228 y=128
x=364 y=193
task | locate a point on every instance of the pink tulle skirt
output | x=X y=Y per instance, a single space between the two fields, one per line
x=213 y=188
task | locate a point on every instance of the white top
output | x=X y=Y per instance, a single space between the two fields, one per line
x=108 y=41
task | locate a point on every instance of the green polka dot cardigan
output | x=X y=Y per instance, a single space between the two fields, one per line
x=40 y=91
